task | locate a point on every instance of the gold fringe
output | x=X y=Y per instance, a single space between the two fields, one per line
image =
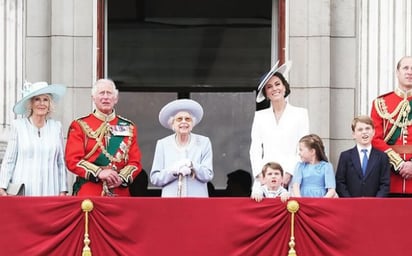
x=293 y=207
x=87 y=206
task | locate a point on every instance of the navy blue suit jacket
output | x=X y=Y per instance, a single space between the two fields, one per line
x=350 y=182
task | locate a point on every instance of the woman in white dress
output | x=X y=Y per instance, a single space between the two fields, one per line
x=34 y=155
x=276 y=130
x=182 y=163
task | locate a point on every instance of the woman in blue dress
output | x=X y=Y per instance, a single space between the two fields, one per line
x=183 y=161
x=314 y=176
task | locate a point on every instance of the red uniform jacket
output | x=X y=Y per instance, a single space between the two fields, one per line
x=93 y=143
x=392 y=116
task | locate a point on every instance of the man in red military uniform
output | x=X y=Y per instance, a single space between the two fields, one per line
x=102 y=147
x=392 y=117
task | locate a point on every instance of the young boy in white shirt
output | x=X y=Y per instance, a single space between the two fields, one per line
x=272 y=176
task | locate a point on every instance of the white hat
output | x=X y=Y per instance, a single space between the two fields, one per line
x=30 y=90
x=282 y=69
x=176 y=106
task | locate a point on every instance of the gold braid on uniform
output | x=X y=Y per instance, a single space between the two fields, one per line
x=394 y=158
x=99 y=134
x=401 y=112
x=126 y=173
x=89 y=168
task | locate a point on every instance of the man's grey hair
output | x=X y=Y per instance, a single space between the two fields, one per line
x=106 y=81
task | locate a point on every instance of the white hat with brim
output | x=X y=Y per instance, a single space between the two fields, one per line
x=35 y=89
x=282 y=69
x=176 y=106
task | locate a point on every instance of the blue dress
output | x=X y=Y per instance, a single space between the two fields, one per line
x=314 y=179
x=199 y=151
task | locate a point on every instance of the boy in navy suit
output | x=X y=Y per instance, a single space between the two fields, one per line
x=363 y=170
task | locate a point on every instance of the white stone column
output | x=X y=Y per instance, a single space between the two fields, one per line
x=61 y=49
x=11 y=59
x=385 y=31
x=309 y=42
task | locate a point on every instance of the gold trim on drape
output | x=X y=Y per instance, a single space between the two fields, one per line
x=87 y=206
x=293 y=207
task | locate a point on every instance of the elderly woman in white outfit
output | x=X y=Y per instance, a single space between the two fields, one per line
x=182 y=163
x=35 y=152
x=276 y=130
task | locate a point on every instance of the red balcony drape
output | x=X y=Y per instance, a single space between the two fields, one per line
x=214 y=226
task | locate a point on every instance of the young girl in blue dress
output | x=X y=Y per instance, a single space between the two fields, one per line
x=314 y=176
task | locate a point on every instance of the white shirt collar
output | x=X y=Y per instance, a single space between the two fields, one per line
x=359 y=147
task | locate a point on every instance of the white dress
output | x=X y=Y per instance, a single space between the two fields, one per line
x=277 y=142
x=35 y=157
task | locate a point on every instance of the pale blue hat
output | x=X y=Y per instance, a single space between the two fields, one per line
x=33 y=89
x=176 y=106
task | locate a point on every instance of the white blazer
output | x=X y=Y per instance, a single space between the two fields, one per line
x=277 y=142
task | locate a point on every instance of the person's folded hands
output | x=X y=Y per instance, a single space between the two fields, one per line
x=185 y=170
x=183 y=163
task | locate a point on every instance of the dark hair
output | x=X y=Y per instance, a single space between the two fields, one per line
x=274 y=166
x=284 y=82
x=313 y=141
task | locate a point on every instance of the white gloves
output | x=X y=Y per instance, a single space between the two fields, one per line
x=183 y=167
x=184 y=170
